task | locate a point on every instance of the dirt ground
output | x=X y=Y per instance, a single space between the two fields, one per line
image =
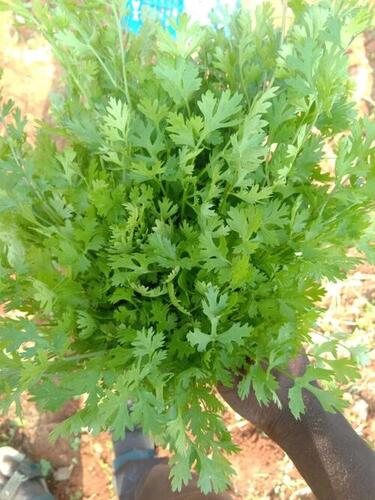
x=80 y=467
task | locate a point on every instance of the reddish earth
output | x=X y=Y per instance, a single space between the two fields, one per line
x=256 y=463
x=83 y=462
x=88 y=459
x=263 y=471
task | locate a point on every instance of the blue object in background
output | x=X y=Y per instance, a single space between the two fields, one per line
x=165 y=10
x=169 y=10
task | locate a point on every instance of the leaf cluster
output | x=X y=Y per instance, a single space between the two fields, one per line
x=174 y=219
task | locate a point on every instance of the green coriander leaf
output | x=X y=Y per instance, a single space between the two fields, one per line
x=219 y=113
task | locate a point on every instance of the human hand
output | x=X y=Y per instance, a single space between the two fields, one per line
x=335 y=462
x=277 y=423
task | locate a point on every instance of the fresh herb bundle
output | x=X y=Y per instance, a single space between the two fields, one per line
x=175 y=219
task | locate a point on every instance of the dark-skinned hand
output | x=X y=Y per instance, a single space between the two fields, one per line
x=270 y=419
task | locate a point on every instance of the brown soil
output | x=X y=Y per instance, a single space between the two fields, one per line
x=84 y=461
x=258 y=461
x=88 y=459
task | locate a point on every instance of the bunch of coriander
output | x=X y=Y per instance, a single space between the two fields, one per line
x=175 y=218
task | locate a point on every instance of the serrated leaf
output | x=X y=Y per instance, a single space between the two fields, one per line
x=44 y=295
x=180 y=473
x=296 y=403
x=116 y=120
x=215 y=302
x=235 y=335
x=179 y=80
x=147 y=342
x=86 y=324
x=199 y=339
x=219 y=113
x=180 y=131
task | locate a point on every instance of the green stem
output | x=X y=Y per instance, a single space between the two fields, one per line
x=188 y=107
x=242 y=77
x=340 y=344
x=33 y=186
x=283 y=22
x=122 y=51
x=80 y=357
x=282 y=36
x=103 y=65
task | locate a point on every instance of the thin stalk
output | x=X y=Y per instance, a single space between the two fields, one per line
x=103 y=65
x=282 y=34
x=242 y=77
x=283 y=22
x=339 y=344
x=32 y=185
x=122 y=52
x=187 y=107
x=89 y=46
x=80 y=357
